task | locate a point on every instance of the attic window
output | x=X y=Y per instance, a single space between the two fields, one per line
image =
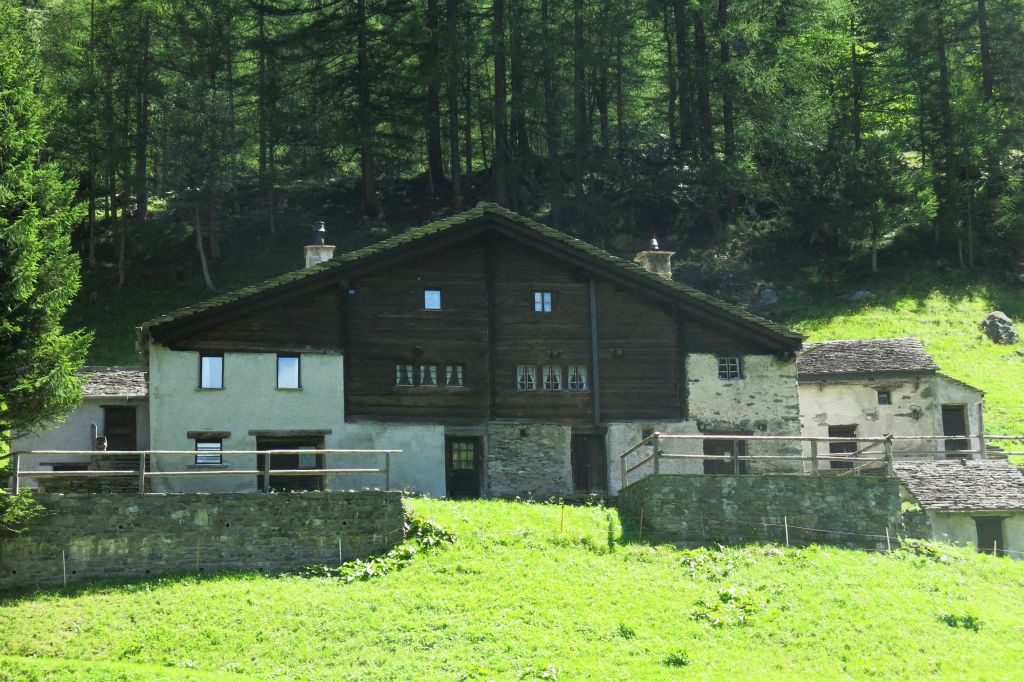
x=211 y=371
x=431 y=299
x=729 y=368
x=884 y=397
x=542 y=301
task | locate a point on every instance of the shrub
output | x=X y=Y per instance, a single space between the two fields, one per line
x=734 y=606
x=677 y=659
x=965 y=621
x=17 y=510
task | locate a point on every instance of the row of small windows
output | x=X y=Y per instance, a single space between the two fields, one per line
x=211 y=371
x=575 y=378
x=428 y=375
x=543 y=301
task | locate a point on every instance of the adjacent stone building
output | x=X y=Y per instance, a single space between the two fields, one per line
x=873 y=387
x=975 y=503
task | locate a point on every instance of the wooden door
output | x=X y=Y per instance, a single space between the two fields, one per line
x=462 y=466
x=954 y=423
x=292 y=461
x=119 y=428
x=842 y=431
x=589 y=464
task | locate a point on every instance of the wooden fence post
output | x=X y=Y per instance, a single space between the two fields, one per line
x=142 y=473
x=888 y=455
x=814 y=457
x=734 y=455
x=622 y=463
x=657 y=453
x=266 y=472
x=16 y=475
x=387 y=470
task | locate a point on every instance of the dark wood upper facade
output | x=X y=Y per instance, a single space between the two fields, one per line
x=630 y=337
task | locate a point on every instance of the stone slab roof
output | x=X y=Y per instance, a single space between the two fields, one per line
x=114 y=382
x=955 y=486
x=483 y=209
x=865 y=356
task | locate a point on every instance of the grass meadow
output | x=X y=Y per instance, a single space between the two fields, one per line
x=542 y=592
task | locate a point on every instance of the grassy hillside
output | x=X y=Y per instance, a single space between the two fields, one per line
x=938 y=306
x=527 y=594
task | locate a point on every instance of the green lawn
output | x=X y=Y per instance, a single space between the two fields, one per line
x=525 y=595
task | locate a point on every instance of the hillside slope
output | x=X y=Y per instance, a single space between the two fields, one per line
x=542 y=592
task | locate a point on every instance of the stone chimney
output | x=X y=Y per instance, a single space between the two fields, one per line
x=655 y=260
x=318 y=251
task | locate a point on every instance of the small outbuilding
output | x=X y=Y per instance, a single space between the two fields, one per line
x=975 y=503
x=872 y=387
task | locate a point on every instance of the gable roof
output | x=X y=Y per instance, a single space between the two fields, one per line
x=597 y=257
x=865 y=356
x=968 y=485
x=114 y=382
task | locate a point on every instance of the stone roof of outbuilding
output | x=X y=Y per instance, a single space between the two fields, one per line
x=865 y=356
x=114 y=382
x=481 y=210
x=963 y=485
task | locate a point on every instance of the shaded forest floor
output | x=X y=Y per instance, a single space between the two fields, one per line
x=916 y=292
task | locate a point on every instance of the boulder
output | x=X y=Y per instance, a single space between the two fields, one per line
x=998 y=327
x=862 y=295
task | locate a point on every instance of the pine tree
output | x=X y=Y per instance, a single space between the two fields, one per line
x=39 y=274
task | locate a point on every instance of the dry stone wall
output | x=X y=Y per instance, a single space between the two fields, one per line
x=123 y=536
x=687 y=509
x=528 y=460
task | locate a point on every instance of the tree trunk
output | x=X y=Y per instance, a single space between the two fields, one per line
x=201 y=249
x=142 y=125
x=683 y=69
x=435 y=157
x=728 y=105
x=704 y=132
x=946 y=177
x=451 y=19
x=372 y=206
x=672 y=77
x=522 y=140
x=581 y=124
x=985 y=38
x=468 y=135
x=552 y=137
x=855 y=90
x=501 y=148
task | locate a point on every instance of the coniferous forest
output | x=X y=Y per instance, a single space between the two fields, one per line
x=842 y=123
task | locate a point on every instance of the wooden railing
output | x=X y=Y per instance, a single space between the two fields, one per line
x=144 y=470
x=658 y=455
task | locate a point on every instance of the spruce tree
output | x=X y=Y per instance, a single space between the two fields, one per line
x=39 y=273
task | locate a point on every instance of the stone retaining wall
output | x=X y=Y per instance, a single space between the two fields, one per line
x=120 y=536
x=695 y=509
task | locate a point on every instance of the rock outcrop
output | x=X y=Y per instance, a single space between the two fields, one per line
x=998 y=327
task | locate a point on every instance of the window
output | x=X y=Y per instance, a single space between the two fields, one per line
x=432 y=299
x=542 y=301
x=526 y=378
x=729 y=368
x=552 y=378
x=578 y=378
x=428 y=375
x=211 y=371
x=884 y=398
x=836 y=448
x=208 y=451
x=307 y=460
x=288 y=371
x=725 y=447
x=453 y=375
x=404 y=375
x=463 y=454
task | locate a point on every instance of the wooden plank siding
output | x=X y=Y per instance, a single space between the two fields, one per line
x=387 y=324
x=526 y=337
x=309 y=323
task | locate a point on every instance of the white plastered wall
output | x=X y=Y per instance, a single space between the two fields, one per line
x=959 y=528
x=250 y=401
x=916 y=409
x=76 y=433
x=763 y=402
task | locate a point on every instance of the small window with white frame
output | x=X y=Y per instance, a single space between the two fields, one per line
x=211 y=371
x=542 y=301
x=578 y=379
x=453 y=375
x=432 y=299
x=526 y=378
x=208 y=451
x=552 y=378
x=428 y=375
x=729 y=367
x=404 y=374
x=288 y=372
